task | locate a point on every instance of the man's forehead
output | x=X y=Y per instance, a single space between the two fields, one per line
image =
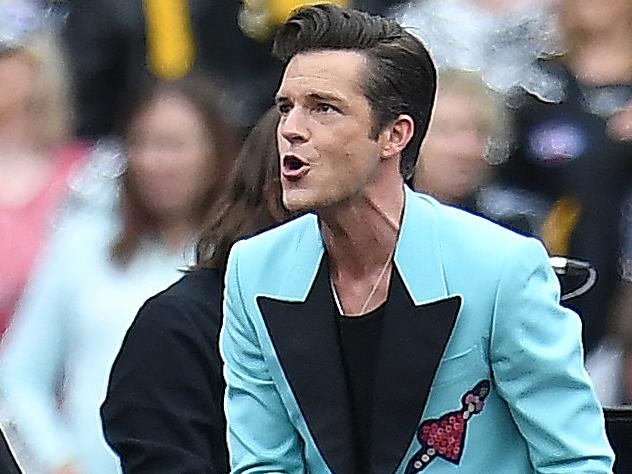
x=326 y=60
x=323 y=71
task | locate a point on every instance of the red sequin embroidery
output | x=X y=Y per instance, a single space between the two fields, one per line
x=445 y=437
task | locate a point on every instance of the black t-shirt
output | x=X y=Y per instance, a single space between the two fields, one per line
x=360 y=344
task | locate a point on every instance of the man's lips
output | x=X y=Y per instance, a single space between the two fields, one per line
x=294 y=168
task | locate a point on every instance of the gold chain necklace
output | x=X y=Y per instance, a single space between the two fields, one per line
x=372 y=291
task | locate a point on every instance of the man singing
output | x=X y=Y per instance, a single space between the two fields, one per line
x=383 y=332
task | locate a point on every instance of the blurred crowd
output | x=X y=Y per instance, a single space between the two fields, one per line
x=120 y=122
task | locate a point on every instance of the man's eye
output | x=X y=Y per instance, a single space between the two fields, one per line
x=284 y=108
x=325 y=108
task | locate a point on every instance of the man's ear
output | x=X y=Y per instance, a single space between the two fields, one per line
x=394 y=138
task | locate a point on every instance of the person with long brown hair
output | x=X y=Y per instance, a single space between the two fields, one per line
x=99 y=270
x=163 y=411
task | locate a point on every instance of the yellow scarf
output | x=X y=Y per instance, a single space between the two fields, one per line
x=558 y=227
x=170 y=50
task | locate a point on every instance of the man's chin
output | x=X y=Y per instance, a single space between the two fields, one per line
x=294 y=202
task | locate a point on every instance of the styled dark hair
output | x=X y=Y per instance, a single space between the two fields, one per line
x=251 y=202
x=207 y=99
x=401 y=77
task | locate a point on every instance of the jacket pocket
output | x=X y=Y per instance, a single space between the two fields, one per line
x=463 y=366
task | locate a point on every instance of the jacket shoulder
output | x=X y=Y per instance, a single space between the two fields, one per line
x=276 y=239
x=193 y=301
x=474 y=238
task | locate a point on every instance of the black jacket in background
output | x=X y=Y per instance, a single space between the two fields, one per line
x=163 y=413
x=563 y=150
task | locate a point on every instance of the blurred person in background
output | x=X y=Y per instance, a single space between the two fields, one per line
x=164 y=408
x=99 y=270
x=614 y=371
x=568 y=152
x=616 y=352
x=468 y=137
x=36 y=157
x=452 y=164
x=115 y=45
x=455 y=161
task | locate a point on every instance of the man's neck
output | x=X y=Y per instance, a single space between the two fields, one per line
x=360 y=237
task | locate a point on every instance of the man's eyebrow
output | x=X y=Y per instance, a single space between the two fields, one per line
x=318 y=96
x=325 y=97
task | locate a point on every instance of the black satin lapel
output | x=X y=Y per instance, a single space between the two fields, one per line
x=413 y=341
x=305 y=337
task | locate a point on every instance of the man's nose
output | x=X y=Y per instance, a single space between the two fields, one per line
x=293 y=126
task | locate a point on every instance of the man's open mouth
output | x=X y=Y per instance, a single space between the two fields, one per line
x=294 y=168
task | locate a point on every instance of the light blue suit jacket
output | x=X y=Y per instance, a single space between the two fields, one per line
x=481 y=370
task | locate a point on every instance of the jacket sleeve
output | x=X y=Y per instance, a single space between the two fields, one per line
x=261 y=437
x=163 y=410
x=537 y=362
x=33 y=354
